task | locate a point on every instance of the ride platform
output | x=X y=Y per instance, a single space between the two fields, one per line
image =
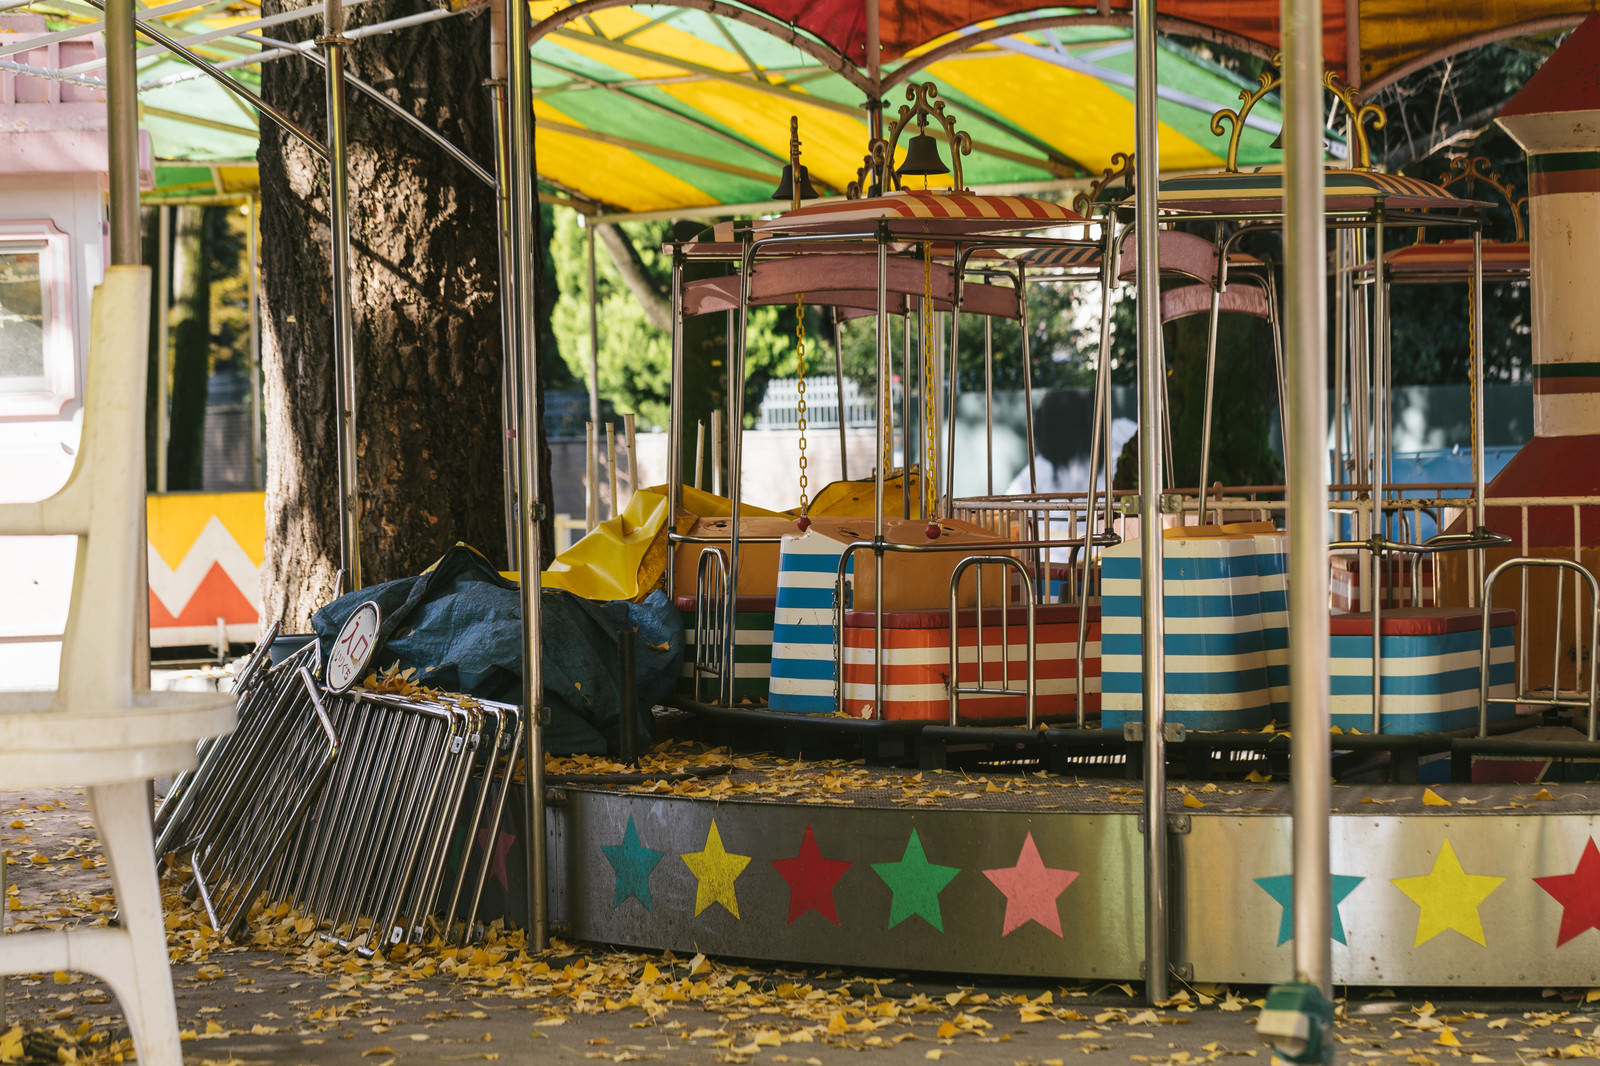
x=1042 y=874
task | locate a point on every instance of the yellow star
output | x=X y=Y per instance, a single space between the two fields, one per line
x=1449 y=898
x=715 y=871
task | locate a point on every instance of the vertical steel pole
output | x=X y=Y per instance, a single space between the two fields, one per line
x=530 y=516
x=1307 y=486
x=1152 y=365
x=344 y=356
x=122 y=152
x=838 y=381
x=509 y=279
x=163 y=285
x=594 y=327
x=253 y=255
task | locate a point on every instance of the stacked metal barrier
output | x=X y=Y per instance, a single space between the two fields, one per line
x=375 y=815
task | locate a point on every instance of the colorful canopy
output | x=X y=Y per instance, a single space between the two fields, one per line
x=655 y=108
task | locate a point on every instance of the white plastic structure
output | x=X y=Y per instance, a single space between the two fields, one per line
x=96 y=730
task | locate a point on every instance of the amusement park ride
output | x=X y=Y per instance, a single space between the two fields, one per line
x=1104 y=638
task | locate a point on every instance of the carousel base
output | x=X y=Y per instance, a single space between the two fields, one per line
x=838 y=863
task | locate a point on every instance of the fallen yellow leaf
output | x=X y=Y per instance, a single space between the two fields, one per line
x=1191 y=800
x=1447 y=1038
x=1430 y=798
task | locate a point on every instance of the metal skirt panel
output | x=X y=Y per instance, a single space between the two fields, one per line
x=927 y=905
x=1434 y=900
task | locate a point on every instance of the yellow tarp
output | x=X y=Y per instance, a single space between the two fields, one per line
x=622 y=558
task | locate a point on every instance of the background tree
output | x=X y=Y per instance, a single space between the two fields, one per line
x=424 y=275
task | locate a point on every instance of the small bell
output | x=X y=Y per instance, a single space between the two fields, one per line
x=922 y=157
x=785 y=189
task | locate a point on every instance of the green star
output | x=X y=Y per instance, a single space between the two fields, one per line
x=633 y=863
x=916 y=884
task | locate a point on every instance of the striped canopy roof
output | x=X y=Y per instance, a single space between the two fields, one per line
x=1261 y=192
x=654 y=108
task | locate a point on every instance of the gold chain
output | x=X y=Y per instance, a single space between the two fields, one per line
x=800 y=341
x=1472 y=372
x=929 y=372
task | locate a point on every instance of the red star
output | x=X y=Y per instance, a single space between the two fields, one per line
x=1031 y=889
x=811 y=879
x=502 y=847
x=1578 y=893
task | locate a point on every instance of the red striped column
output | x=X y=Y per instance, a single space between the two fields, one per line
x=1556 y=120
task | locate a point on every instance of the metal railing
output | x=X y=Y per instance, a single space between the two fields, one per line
x=1030 y=686
x=1524 y=695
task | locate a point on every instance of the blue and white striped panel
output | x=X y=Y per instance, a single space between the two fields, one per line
x=1430 y=682
x=1216 y=665
x=803 y=666
x=1272 y=566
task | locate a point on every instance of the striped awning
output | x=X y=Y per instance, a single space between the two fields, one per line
x=1261 y=191
x=911 y=213
x=1452 y=261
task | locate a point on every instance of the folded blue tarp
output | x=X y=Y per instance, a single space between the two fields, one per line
x=460 y=627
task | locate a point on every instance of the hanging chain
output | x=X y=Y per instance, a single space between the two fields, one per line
x=1473 y=355
x=800 y=406
x=929 y=384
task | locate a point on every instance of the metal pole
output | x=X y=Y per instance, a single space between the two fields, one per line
x=344 y=357
x=530 y=516
x=1307 y=487
x=163 y=338
x=838 y=379
x=1151 y=396
x=253 y=253
x=1211 y=381
x=509 y=280
x=122 y=155
x=594 y=328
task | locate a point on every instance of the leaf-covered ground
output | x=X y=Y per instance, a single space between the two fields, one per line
x=282 y=998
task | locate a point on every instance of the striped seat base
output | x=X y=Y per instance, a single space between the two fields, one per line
x=916 y=669
x=752 y=653
x=1430 y=668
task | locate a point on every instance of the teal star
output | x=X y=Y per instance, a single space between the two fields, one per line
x=1281 y=889
x=916 y=884
x=633 y=863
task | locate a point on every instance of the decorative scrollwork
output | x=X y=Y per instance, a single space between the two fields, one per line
x=869 y=176
x=1361 y=115
x=1248 y=98
x=924 y=103
x=1121 y=167
x=1468 y=171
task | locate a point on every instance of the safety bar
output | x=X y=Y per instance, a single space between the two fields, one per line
x=715 y=634
x=1523 y=694
x=956 y=688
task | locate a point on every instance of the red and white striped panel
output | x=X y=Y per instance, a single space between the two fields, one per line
x=1344 y=582
x=917 y=665
x=1025 y=211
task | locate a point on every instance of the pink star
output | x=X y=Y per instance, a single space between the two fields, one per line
x=1578 y=893
x=1031 y=889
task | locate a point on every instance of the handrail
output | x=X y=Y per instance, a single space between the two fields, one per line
x=956 y=690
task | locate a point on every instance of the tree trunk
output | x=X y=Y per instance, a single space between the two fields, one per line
x=191 y=349
x=424 y=292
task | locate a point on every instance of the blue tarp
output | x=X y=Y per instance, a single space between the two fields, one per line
x=460 y=627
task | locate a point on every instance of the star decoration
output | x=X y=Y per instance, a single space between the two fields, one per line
x=1031 y=889
x=1281 y=889
x=715 y=871
x=916 y=884
x=811 y=879
x=1449 y=898
x=1578 y=893
x=633 y=863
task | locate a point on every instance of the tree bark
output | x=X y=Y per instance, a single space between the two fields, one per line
x=191 y=349
x=424 y=292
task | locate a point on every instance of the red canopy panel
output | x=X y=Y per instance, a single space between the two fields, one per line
x=1394 y=35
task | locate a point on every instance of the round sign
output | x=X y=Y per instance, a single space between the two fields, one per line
x=356 y=642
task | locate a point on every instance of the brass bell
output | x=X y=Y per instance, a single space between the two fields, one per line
x=785 y=189
x=922 y=157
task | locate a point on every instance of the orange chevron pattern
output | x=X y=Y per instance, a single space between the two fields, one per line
x=204 y=557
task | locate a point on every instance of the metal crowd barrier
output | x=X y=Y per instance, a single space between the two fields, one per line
x=363 y=810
